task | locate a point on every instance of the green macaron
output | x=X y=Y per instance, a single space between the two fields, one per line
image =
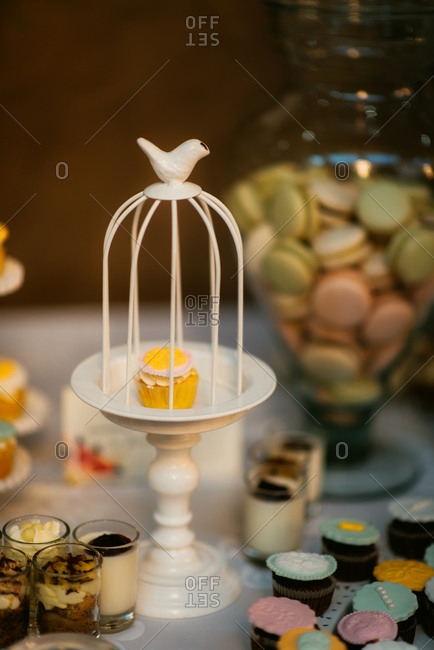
x=293 y=212
x=383 y=207
x=243 y=200
x=411 y=254
x=289 y=266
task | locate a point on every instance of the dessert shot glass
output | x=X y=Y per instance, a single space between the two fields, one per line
x=14 y=595
x=118 y=543
x=67 y=583
x=274 y=508
x=293 y=445
x=31 y=533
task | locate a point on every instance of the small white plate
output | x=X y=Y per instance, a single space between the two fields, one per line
x=20 y=472
x=35 y=414
x=12 y=277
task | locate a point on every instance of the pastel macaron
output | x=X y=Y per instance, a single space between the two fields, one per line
x=244 y=201
x=383 y=207
x=411 y=254
x=256 y=243
x=391 y=317
x=338 y=196
x=289 y=266
x=377 y=271
x=292 y=212
x=329 y=362
x=342 y=298
x=345 y=246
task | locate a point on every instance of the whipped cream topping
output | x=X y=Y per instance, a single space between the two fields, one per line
x=9 y=601
x=35 y=532
x=61 y=596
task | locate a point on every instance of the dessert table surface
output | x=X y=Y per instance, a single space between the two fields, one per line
x=50 y=342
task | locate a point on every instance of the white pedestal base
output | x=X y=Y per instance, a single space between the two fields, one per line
x=200 y=582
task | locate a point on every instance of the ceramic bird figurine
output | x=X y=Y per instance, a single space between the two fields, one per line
x=174 y=166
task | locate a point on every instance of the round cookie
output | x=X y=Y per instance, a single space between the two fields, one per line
x=290 y=307
x=411 y=254
x=377 y=271
x=327 y=362
x=292 y=212
x=360 y=391
x=256 y=243
x=341 y=298
x=391 y=317
x=289 y=266
x=337 y=247
x=383 y=207
x=336 y=196
x=268 y=180
x=244 y=201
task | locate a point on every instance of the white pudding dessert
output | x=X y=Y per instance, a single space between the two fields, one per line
x=118 y=572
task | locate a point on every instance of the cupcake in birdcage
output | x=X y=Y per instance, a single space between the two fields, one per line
x=153 y=379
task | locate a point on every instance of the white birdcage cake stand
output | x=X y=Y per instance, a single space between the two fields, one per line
x=231 y=382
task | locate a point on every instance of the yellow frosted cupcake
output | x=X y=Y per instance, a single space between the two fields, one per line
x=13 y=382
x=7 y=448
x=152 y=380
x=4 y=234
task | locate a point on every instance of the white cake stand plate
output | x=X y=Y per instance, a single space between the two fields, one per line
x=179 y=577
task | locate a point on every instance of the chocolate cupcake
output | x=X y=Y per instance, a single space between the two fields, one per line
x=307 y=577
x=427 y=609
x=394 y=599
x=271 y=617
x=353 y=545
x=360 y=628
x=411 y=529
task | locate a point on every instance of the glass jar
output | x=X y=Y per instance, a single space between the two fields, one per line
x=334 y=197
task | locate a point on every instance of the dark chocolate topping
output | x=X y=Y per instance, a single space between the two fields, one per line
x=108 y=544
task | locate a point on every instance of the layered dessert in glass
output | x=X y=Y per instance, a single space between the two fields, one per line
x=67 y=587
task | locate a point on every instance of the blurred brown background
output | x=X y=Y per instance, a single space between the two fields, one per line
x=80 y=82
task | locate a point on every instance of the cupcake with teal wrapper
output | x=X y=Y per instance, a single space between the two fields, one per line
x=271 y=617
x=394 y=599
x=304 y=639
x=361 y=628
x=411 y=529
x=353 y=544
x=307 y=577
